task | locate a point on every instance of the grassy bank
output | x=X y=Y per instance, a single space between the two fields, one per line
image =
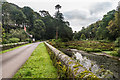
x=12 y=48
x=39 y=65
x=88 y=46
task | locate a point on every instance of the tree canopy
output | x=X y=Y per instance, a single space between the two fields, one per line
x=41 y=25
x=106 y=29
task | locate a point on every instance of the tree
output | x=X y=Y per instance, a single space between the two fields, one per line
x=50 y=24
x=29 y=13
x=57 y=7
x=57 y=16
x=99 y=29
x=114 y=26
x=40 y=27
x=17 y=33
x=44 y=13
x=17 y=16
x=82 y=37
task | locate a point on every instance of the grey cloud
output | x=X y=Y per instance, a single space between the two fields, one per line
x=76 y=14
x=118 y=5
x=85 y=17
x=100 y=7
x=80 y=18
x=80 y=15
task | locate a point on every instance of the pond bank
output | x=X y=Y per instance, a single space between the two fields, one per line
x=107 y=62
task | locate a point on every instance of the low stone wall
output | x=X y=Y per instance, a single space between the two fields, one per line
x=67 y=66
x=12 y=45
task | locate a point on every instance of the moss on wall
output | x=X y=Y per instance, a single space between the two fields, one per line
x=67 y=67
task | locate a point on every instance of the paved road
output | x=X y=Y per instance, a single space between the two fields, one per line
x=13 y=60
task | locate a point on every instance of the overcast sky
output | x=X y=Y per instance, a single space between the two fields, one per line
x=78 y=12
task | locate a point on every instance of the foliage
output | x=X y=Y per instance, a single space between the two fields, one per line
x=113 y=53
x=89 y=46
x=5 y=41
x=92 y=50
x=14 y=40
x=65 y=40
x=28 y=40
x=17 y=33
x=106 y=29
x=39 y=65
x=117 y=42
x=42 y=26
x=82 y=37
x=62 y=70
x=118 y=52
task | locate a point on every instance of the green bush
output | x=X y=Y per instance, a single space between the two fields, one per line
x=5 y=41
x=83 y=37
x=96 y=50
x=28 y=40
x=104 y=41
x=118 y=52
x=14 y=40
x=117 y=42
x=80 y=48
x=92 y=50
x=72 y=47
x=62 y=46
x=65 y=40
x=89 y=49
x=58 y=40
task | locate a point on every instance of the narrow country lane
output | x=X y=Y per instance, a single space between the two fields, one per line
x=13 y=60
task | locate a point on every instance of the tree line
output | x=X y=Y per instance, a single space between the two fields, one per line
x=106 y=29
x=41 y=25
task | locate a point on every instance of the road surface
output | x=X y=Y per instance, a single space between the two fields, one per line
x=13 y=60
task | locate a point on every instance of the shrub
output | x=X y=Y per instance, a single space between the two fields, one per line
x=29 y=40
x=104 y=41
x=14 y=40
x=65 y=40
x=5 y=41
x=88 y=49
x=80 y=48
x=96 y=50
x=92 y=50
x=117 y=42
x=83 y=37
x=71 y=47
x=118 y=52
x=58 y=40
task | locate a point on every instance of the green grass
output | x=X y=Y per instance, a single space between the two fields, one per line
x=12 y=48
x=112 y=53
x=39 y=65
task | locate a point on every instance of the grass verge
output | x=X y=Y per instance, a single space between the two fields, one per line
x=12 y=48
x=39 y=65
x=112 y=53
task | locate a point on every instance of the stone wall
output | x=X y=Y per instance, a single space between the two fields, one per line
x=12 y=45
x=72 y=69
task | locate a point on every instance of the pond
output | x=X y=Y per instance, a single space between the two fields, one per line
x=102 y=66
